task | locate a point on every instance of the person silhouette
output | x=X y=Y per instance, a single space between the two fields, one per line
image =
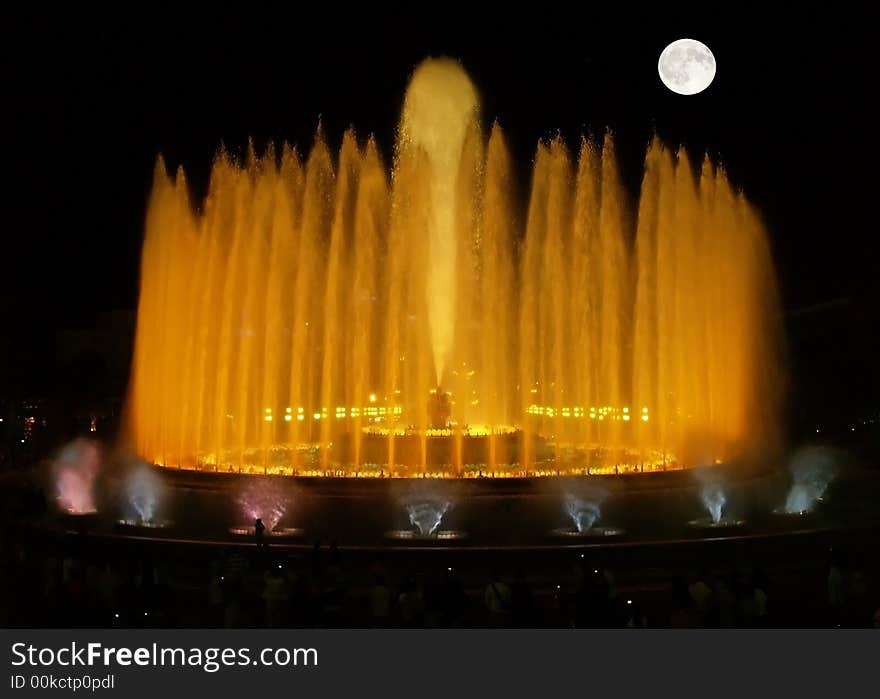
x=259 y=530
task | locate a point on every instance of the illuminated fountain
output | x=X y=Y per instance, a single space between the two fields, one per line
x=268 y=500
x=426 y=516
x=142 y=498
x=713 y=498
x=425 y=508
x=320 y=300
x=584 y=509
x=75 y=471
x=812 y=471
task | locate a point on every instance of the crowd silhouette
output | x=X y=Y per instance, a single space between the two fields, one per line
x=76 y=580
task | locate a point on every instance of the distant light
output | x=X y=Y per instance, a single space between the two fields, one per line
x=645 y=410
x=268 y=418
x=645 y=418
x=372 y=398
x=317 y=416
x=268 y=410
x=287 y=410
x=288 y=418
x=300 y=417
x=116 y=615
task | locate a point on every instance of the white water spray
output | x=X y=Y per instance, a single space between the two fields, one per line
x=812 y=470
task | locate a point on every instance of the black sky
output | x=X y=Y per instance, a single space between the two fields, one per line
x=92 y=97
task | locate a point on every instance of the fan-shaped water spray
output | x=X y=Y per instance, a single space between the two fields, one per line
x=583 y=513
x=583 y=506
x=713 y=499
x=299 y=320
x=426 y=504
x=263 y=499
x=426 y=515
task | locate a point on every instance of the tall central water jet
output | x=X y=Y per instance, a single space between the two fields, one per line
x=440 y=112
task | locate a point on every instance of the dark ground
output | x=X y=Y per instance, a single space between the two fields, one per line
x=825 y=580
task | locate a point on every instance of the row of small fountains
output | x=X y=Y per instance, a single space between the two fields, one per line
x=426 y=513
x=812 y=470
x=76 y=468
x=584 y=514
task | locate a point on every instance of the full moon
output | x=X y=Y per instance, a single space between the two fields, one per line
x=686 y=66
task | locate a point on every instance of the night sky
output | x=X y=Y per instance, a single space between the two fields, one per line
x=91 y=99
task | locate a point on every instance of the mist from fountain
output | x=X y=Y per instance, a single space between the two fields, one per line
x=583 y=507
x=75 y=471
x=265 y=499
x=582 y=512
x=812 y=471
x=144 y=492
x=713 y=496
x=713 y=499
x=426 y=515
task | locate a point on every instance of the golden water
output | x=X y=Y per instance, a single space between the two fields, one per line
x=306 y=304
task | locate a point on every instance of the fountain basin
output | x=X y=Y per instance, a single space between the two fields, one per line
x=415 y=536
x=591 y=533
x=76 y=514
x=135 y=524
x=707 y=524
x=794 y=515
x=274 y=533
